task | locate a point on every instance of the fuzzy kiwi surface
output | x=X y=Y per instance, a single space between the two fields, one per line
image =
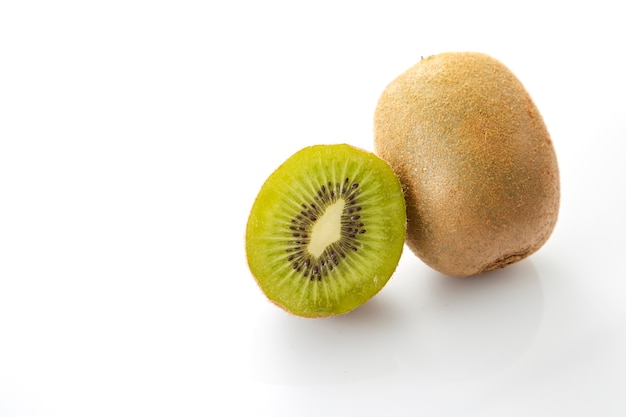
x=326 y=230
x=476 y=161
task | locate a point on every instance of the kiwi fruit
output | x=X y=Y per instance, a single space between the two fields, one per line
x=326 y=231
x=475 y=159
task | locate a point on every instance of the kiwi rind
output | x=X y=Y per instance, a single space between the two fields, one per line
x=476 y=161
x=361 y=273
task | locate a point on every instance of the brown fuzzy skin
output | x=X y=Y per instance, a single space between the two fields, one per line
x=475 y=159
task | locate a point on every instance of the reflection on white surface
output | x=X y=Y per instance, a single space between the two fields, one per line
x=469 y=328
x=295 y=351
x=428 y=324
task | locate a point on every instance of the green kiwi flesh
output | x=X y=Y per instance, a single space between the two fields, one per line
x=326 y=231
x=475 y=159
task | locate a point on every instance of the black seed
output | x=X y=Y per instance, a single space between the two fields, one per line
x=355 y=217
x=355 y=185
x=360 y=225
x=296 y=235
x=362 y=231
x=295 y=265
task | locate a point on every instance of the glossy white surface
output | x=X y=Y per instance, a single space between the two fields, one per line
x=134 y=137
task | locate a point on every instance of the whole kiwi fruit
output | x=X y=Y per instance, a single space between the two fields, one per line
x=326 y=231
x=475 y=159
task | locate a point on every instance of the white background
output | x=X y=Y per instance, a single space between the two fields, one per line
x=134 y=136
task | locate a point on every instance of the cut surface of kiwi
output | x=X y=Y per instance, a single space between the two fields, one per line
x=326 y=230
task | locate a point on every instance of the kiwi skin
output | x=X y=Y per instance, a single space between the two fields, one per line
x=475 y=159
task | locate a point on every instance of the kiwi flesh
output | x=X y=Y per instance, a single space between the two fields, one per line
x=476 y=161
x=326 y=231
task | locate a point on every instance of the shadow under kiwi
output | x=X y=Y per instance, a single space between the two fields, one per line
x=423 y=323
x=291 y=350
x=474 y=326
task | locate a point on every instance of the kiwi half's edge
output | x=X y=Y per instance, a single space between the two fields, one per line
x=326 y=230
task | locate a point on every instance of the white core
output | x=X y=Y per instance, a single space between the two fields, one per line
x=327 y=229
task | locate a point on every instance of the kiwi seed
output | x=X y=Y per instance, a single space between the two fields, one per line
x=312 y=255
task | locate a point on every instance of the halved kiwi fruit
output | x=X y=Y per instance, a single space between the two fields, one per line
x=326 y=230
